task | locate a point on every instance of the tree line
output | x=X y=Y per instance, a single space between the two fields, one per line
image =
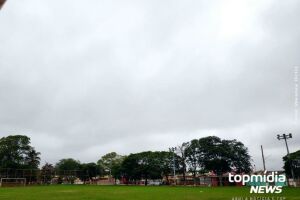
x=198 y=156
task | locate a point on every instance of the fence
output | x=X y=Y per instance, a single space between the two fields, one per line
x=37 y=176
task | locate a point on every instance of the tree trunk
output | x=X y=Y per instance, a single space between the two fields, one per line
x=221 y=179
x=194 y=177
x=184 y=179
x=184 y=182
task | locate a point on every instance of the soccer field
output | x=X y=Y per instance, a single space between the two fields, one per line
x=65 y=192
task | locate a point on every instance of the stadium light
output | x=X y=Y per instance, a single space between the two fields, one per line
x=285 y=137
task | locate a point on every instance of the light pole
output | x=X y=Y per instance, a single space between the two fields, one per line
x=285 y=137
x=173 y=149
x=263 y=157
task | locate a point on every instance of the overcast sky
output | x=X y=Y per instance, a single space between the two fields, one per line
x=84 y=78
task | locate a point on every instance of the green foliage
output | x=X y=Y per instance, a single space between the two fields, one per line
x=181 y=152
x=192 y=154
x=292 y=162
x=205 y=154
x=223 y=155
x=16 y=153
x=110 y=163
x=116 y=171
x=89 y=170
x=67 y=164
x=68 y=169
x=47 y=172
x=147 y=165
x=168 y=160
x=214 y=154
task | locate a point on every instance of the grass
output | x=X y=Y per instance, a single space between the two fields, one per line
x=87 y=192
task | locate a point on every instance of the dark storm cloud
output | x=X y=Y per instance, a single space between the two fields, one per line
x=86 y=79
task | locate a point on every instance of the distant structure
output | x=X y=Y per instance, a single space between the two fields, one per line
x=2 y=3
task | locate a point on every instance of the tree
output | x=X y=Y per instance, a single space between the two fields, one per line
x=147 y=165
x=68 y=164
x=16 y=153
x=32 y=159
x=89 y=170
x=108 y=161
x=181 y=152
x=47 y=172
x=292 y=162
x=238 y=156
x=168 y=162
x=155 y=164
x=130 y=168
x=68 y=169
x=116 y=171
x=192 y=153
x=223 y=155
x=116 y=168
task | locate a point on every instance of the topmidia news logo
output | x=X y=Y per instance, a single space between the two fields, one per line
x=266 y=183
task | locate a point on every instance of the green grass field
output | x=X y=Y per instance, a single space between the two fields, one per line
x=87 y=192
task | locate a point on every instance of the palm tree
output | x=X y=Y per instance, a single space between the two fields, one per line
x=32 y=159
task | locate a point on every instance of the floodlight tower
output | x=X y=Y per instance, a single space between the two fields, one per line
x=285 y=137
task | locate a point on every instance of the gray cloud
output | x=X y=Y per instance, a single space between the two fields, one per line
x=84 y=79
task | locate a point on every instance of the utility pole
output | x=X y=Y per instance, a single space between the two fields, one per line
x=263 y=157
x=173 y=149
x=285 y=137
